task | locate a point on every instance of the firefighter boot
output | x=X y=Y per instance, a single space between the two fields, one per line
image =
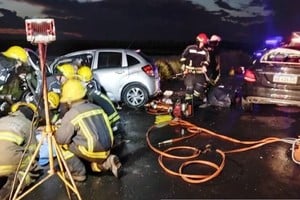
x=113 y=164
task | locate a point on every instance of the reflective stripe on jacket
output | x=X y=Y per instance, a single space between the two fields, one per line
x=94 y=129
x=11 y=137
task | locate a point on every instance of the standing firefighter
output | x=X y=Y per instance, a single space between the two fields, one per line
x=17 y=144
x=95 y=95
x=195 y=60
x=85 y=133
x=214 y=70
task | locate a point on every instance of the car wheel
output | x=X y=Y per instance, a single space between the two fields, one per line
x=246 y=106
x=135 y=96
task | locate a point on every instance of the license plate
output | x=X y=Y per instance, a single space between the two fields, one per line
x=285 y=78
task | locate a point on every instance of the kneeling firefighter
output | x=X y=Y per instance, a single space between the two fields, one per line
x=85 y=133
x=95 y=95
x=17 y=144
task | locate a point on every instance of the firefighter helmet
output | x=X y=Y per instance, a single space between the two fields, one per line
x=67 y=70
x=85 y=73
x=53 y=99
x=28 y=109
x=16 y=106
x=72 y=90
x=16 y=52
x=202 y=37
x=215 y=38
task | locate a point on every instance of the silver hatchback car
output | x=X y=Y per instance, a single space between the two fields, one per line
x=125 y=75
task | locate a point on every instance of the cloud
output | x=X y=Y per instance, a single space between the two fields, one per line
x=224 y=5
x=250 y=9
x=23 y=8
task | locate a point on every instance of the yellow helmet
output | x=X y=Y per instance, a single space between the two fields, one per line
x=16 y=52
x=85 y=73
x=72 y=90
x=16 y=106
x=53 y=99
x=67 y=70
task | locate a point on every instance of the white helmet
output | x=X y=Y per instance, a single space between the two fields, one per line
x=215 y=38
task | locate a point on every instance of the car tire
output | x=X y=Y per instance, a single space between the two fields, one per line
x=135 y=96
x=246 y=106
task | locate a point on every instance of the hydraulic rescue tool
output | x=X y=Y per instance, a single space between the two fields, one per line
x=181 y=108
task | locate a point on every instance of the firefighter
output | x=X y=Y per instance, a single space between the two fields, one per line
x=11 y=62
x=65 y=71
x=85 y=133
x=95 y=95
x=195 y=60
x=17 y=146
x=214 y=70
x=213 y=73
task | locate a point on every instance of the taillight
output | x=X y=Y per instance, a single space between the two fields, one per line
x=249 y=76
x=148 y=69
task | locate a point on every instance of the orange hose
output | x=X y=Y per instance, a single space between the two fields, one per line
x=195 y=152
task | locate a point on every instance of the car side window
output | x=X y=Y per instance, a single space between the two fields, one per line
x=76 y=60
x=109 y=59
x=131 y=60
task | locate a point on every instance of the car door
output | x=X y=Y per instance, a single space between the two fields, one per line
x=111 y=72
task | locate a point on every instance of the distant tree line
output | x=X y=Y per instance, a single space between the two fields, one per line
x=61 y=47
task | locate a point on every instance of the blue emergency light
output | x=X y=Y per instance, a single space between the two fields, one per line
x=274 y=41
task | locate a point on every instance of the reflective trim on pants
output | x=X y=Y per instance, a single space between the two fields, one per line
x=101 y=154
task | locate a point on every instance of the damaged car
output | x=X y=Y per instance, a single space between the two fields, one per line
x=274 y=78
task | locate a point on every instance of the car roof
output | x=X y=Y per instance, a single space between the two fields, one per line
x=99 y=49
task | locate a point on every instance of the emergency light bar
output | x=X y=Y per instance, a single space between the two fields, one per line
x=273 y=41
x=40 y=30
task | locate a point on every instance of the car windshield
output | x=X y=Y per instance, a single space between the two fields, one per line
x=286 y=55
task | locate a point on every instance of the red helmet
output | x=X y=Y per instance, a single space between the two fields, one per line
x=202 y=37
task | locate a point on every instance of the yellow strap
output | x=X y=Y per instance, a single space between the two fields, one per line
x=12 y=137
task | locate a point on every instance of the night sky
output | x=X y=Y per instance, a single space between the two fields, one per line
x=248 y=21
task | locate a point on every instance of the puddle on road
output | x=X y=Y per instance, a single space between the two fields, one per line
x=277 y=122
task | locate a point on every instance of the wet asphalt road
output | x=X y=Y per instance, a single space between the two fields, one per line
x=265 y=172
